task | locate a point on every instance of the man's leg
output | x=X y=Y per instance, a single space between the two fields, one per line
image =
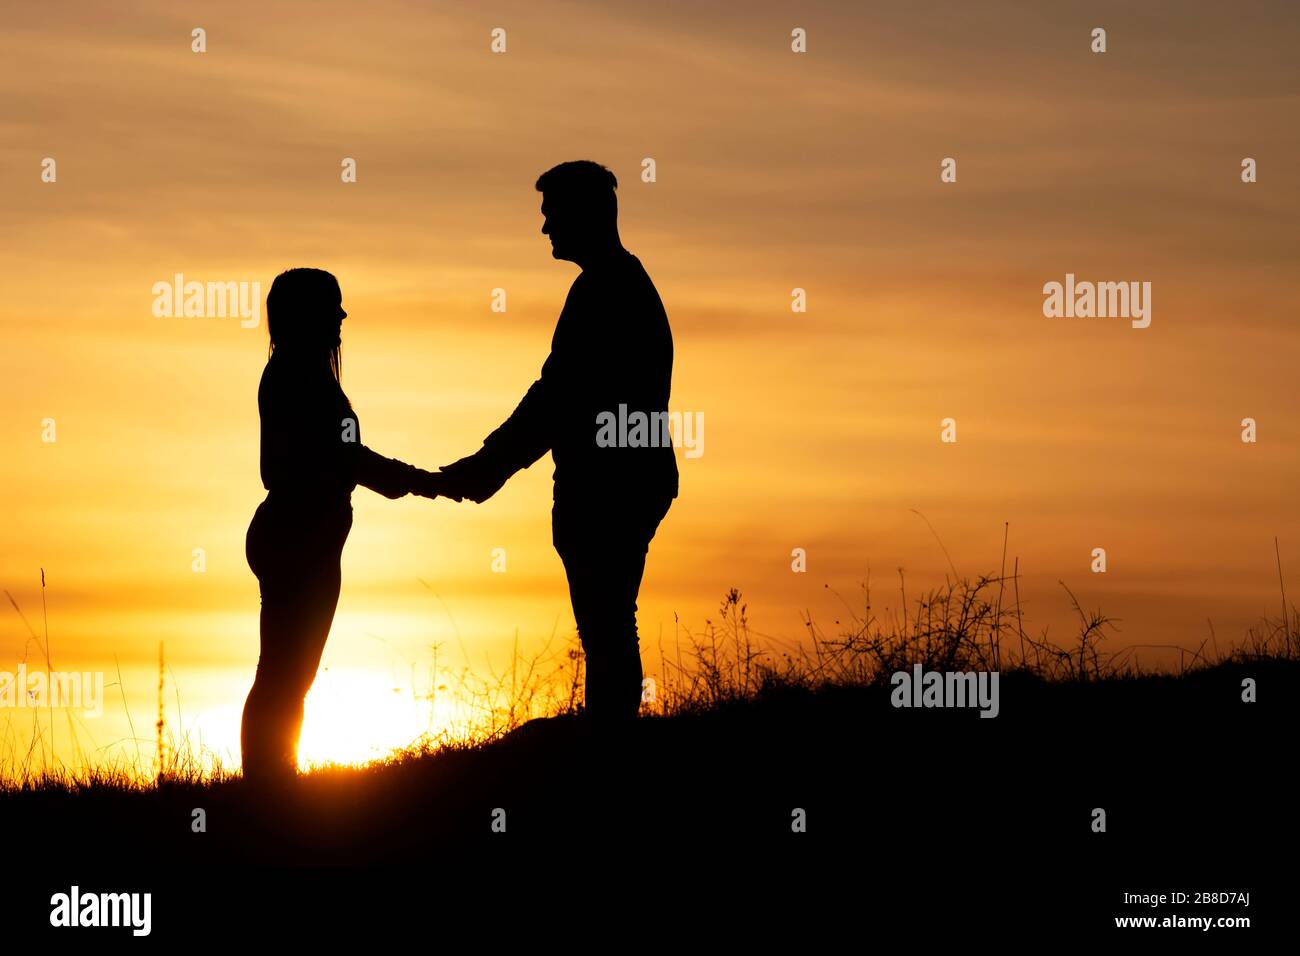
x=604 y=559
x=604 y=577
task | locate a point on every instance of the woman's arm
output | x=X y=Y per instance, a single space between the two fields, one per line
x=311 y=442
x=393 y=478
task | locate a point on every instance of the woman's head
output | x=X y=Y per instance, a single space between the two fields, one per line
x=304 y=314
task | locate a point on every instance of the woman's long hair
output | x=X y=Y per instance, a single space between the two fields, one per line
x=299 y=313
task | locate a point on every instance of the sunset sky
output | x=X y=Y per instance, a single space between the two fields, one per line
x=775 y=170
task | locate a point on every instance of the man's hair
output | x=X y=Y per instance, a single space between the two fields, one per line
x=584 y=184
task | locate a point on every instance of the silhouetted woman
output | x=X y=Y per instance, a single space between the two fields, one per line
x=311 y=459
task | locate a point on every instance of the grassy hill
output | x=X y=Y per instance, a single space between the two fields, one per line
x=1194 y=781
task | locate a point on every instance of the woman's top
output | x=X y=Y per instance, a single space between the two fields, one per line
x=311 y=452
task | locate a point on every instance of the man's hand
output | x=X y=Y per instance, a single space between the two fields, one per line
x=477 y=477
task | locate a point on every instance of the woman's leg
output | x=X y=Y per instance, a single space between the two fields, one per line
x=294 y=629
x=299 y=596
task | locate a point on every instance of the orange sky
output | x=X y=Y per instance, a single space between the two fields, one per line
x=775 y=171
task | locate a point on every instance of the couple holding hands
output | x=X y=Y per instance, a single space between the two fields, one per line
x=612 y=346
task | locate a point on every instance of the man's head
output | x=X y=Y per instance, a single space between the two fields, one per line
x=580 y=210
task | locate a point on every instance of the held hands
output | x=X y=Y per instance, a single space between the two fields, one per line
x=477 y=477
x=428 y=484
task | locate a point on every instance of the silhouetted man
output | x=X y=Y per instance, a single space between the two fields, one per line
x=611 y=355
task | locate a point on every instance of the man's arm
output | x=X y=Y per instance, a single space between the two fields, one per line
x=526 y=435
x=516 y=444
x=529 y=432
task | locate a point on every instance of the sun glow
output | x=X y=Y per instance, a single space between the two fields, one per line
x=355 y=715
